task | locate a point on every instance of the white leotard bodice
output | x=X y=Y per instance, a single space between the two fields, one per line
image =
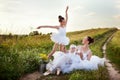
x=62 y=31
x=85 y=54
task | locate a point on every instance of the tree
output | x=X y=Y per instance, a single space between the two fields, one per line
x=34 y=33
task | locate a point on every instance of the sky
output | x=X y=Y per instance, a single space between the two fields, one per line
x=23 y=16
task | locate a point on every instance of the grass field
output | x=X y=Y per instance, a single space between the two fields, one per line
x=113 y=50
x=20 y=54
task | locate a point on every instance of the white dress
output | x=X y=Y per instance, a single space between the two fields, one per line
x=60 y=37
x=63 y=61
x=75 y=60
x=60 y=60
x=68 y=62
x=85 y=64
x=93 y=63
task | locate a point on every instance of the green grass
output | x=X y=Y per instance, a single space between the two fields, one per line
x=19 y=54
x=99 y=35
x=90 y=75
x=113 y=50
x=79 y=35
x=96 y=47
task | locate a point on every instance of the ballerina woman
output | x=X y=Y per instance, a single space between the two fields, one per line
x=88 y=61
x=60 y=39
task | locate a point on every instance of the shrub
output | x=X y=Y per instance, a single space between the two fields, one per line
x=15 y=63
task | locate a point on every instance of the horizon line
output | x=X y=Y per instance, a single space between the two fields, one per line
x=51 y=32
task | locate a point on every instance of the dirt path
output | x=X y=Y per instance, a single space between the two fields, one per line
x=114 y=74
x=32 y=76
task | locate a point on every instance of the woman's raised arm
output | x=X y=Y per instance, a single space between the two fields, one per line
x=66 y=14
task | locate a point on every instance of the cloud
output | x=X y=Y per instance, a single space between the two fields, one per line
x=79 y=7
x=117 y=4
x=116 y=16
x=117 y=1
x=9 y=6
x=90 y=14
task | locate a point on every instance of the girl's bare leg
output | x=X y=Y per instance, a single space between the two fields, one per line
x=63 y=49
x=60 y=48
x=53 y=50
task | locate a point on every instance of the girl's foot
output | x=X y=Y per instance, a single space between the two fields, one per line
x=58 y=71
x=46 y=73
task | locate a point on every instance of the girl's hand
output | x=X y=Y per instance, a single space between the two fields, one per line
x=39 y=27
x=49 y=56
x=67 y=8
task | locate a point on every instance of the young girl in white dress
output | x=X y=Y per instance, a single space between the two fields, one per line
x=62 y=61
x=59 y=38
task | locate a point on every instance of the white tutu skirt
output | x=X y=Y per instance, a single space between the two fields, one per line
x=68 y=63
x=93 y=64
x=60 y=39
x=75 y=60
x=61 y=60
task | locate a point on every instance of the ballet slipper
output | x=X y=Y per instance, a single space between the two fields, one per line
x=46 y=73
x=58 y=71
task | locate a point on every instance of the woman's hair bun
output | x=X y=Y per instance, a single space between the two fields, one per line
x=91 y=40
